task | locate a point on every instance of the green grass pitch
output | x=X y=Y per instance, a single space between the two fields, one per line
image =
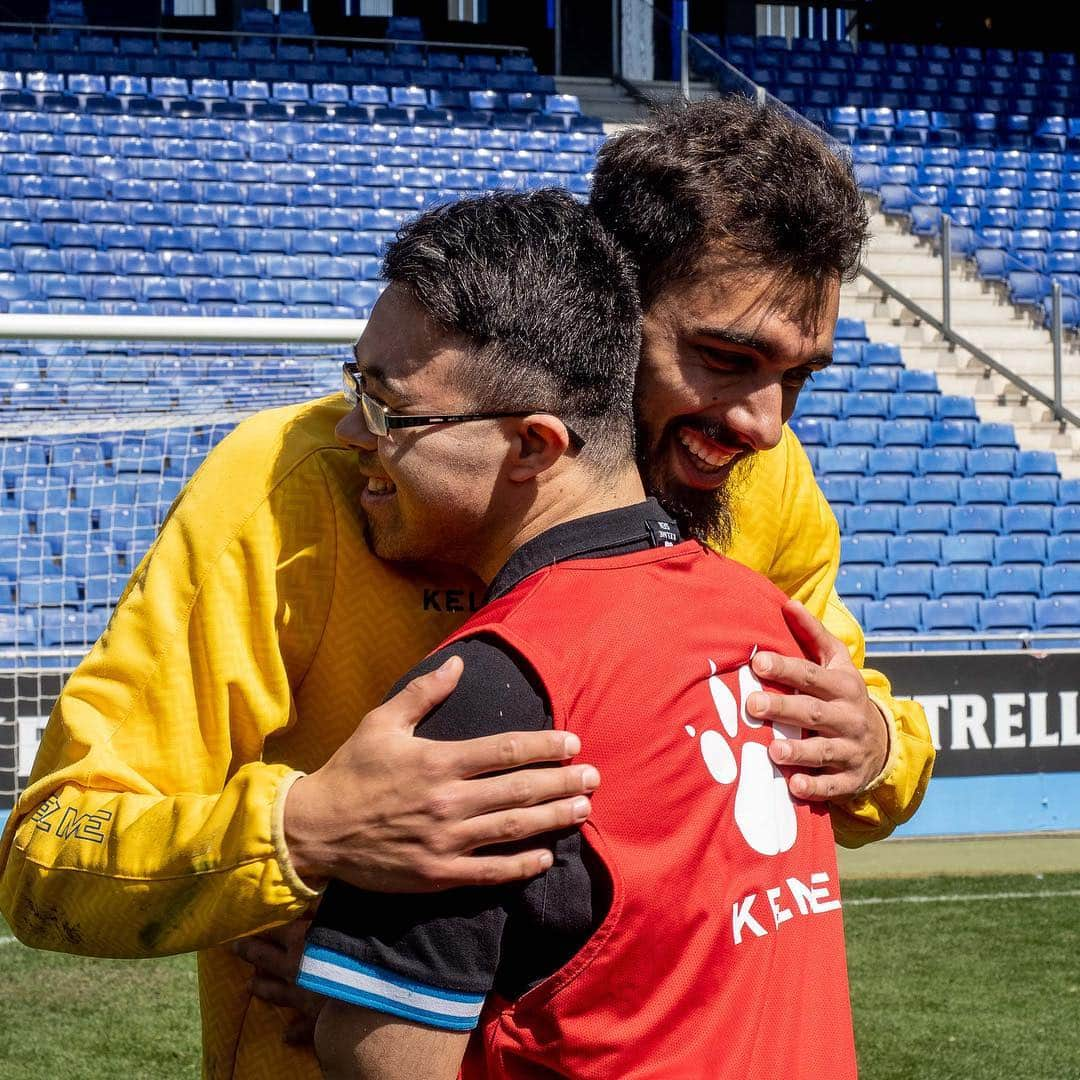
x=952 y=978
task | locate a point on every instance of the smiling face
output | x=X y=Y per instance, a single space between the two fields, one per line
x=429 y=490
x=724 y=356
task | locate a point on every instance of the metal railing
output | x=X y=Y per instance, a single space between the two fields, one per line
x=1057 y=332
x=1027 y=640
x=1062 y=414
x=944 y=325
x=180 y=328
x=157 y=32
x=1054 y=401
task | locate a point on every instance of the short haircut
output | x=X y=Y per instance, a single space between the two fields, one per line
x=545 y=298
x=742 y=179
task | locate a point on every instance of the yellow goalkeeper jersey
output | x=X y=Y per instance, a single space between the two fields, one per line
x=248 y=644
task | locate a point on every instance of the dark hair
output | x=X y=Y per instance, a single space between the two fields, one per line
x=750 y=182
x=547 y=301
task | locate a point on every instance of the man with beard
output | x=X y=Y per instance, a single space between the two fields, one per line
x=681 y=913
x=260 y=629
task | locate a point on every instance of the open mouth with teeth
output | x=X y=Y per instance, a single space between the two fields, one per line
x=702 y=461
x=378 y=488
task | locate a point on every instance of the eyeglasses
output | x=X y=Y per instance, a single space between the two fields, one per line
x=381 y=421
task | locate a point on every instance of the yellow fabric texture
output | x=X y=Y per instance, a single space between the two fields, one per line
x=250 y=641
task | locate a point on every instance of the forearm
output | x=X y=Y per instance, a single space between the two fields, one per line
x=358 y=1044
x=108 y=873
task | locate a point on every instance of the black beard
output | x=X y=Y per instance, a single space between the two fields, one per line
x=707 y=516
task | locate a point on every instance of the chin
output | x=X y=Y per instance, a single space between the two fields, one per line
x=703 y=513
x=383 y=542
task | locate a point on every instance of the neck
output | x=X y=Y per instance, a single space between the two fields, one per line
x=561 y=500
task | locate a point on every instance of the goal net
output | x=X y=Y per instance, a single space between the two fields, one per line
x=102 y=422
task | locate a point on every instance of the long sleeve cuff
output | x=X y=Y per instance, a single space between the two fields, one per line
x=281 y=849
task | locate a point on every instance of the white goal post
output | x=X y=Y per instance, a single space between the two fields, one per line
x=102 y=420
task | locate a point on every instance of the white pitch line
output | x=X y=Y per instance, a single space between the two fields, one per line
x=959 y=898
x=949 y=898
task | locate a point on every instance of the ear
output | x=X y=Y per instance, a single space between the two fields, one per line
x=538 y=441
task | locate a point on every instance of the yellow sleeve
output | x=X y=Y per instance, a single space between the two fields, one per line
x=150 y=824
x=798 y=549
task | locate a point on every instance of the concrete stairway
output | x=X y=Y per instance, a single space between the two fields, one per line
x=981 y=312
x=603 y=98
x=618 y=104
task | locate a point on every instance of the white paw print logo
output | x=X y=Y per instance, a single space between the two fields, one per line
x=764 y=810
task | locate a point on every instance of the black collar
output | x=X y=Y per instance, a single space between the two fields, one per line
x=614 y=532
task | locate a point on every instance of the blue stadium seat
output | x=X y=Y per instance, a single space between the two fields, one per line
x=951 y=432
x=1067 y=519
x=1019 y=580
x=811 y=430
x=995 y=435
x=850 y=330
x=991 y=264
x=860 y=581
x=566 y=104
x=912 y=406
x=1036 y=463
x=864 y=550
x=1064 y=548
x=839 y=490
x=978 y=549
x=953 y=581
x=872 y=519
x=1006 y=614
x=311 y=293
x=900 y=616
x=1025 y=548
x=955 y=407
x=933 y=489
x=910 y=433
x=925 y=220
x=847 y=352
x=1061 y=580
x=865 y=405
x=820 y=403
x=957 y=615
x=1028 y=519
x=833 y=379
x=856 y=432
x=892 y=460
x=883 y=489
x=944 y=460
x=905 y=580
x=991 y=461
x=359 y=298
x=881 y=354
x=1058 y=614
x=993 y=490
x=262 y=292
x=894 y=198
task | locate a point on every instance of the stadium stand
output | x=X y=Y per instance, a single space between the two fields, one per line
x=990 y=137
x=145 y=174
x=942 y=516
x=948 y=526
x=260 y=177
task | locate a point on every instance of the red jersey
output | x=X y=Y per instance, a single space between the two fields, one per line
x=722 y=953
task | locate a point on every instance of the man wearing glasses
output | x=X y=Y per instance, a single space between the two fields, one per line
x=625 y=958
x=260 y=629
